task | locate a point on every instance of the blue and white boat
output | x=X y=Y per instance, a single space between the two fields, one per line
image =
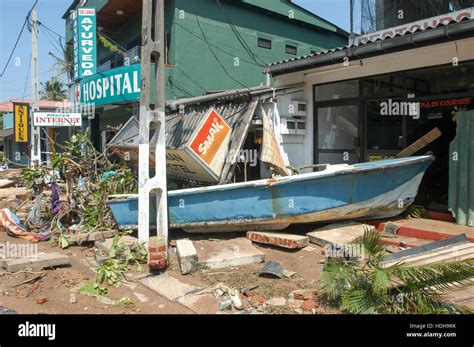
x=380 y=189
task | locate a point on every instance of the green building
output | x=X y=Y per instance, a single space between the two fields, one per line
x=211 y=45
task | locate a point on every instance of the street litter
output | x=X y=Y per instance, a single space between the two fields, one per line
x=272 y=269
x=11 y=224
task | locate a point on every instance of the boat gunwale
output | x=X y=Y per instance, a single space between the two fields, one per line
x=268 y=182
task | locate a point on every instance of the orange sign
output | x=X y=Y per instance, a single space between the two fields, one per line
x=21 y=122
x=210 y=137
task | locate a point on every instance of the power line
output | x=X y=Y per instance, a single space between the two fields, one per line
x=18 y=38
x=212 y=51
x=51 y=30
x=52 y=42
x=239 y=37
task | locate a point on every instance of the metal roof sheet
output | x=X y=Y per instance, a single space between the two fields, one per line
x=379 y=40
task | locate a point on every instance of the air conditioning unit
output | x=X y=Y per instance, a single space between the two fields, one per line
x=299 y=108
x=290 y=126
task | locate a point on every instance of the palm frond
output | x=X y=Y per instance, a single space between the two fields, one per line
x=371 y=241
x=440 y=278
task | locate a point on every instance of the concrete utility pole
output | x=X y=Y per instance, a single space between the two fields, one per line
x=35 y=154
x=152 y=45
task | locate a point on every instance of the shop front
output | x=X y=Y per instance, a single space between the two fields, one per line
x=376 y=117
x=373 y=100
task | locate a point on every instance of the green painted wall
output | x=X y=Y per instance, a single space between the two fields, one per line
x=193 y=69
x=197 y=70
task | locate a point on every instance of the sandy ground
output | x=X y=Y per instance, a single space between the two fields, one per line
x=58 y=284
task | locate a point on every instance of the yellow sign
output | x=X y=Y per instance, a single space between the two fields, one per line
x=21 y=122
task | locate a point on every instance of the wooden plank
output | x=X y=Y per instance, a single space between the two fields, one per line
x=5 y=183
x=421 y=143
x=10 y=192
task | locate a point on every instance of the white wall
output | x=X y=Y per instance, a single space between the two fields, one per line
x=300 y=148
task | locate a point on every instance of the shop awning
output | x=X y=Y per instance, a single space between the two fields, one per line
x=6 y=132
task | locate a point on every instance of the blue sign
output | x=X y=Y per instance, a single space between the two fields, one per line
x=118 y=85
x=85 y=43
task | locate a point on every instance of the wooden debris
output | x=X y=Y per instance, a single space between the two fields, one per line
x=421 y=143
x=4 y=183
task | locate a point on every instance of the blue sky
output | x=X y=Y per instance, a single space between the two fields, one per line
x=13 y=13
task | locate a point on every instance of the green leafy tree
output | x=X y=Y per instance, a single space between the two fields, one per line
x=371 y=287
x=53 y=90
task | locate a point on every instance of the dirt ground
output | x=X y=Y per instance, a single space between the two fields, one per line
x=58 y=284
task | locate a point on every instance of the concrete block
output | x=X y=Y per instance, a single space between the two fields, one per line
x=227 y=253
x=278 y=239
x=93 y=236
x=43 y=260
x=106 y=244
x=200 y=303
x=168 y=286
x=339 y=233
x=187 y=256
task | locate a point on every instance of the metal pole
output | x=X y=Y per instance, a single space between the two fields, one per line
x=35 y=154
x=152 y=45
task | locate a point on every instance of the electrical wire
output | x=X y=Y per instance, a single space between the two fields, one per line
x=212 y=51
x=251 y=62
x=239 y=37
x=60 y=50
x=18 y=39
x=50 y=30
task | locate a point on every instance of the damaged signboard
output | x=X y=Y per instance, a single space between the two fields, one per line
x=197 y=142
x=203 y=157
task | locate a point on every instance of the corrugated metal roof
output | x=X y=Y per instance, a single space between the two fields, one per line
x=373 y=40
x=461 y=170
x=180 y=127
x=7 y=107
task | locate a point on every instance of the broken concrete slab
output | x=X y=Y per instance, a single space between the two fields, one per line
x=141 y=297
x=200 y=303
x=227 y=253
x=93 y=236
x=338 y=233
x=187 y=256
x=41 y=261
x=106 y=245
x=168 y=286
x=276 y=302
x=289 y=241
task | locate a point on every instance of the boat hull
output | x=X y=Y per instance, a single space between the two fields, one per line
x=342 y=192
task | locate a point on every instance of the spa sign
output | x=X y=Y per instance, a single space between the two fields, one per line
x=84 y=43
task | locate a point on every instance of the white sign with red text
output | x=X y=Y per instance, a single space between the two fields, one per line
x=54 y=119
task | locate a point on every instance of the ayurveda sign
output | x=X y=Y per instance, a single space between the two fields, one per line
x=21 y=122
x=51 y=119
x=117 y=85
x=84 y=43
